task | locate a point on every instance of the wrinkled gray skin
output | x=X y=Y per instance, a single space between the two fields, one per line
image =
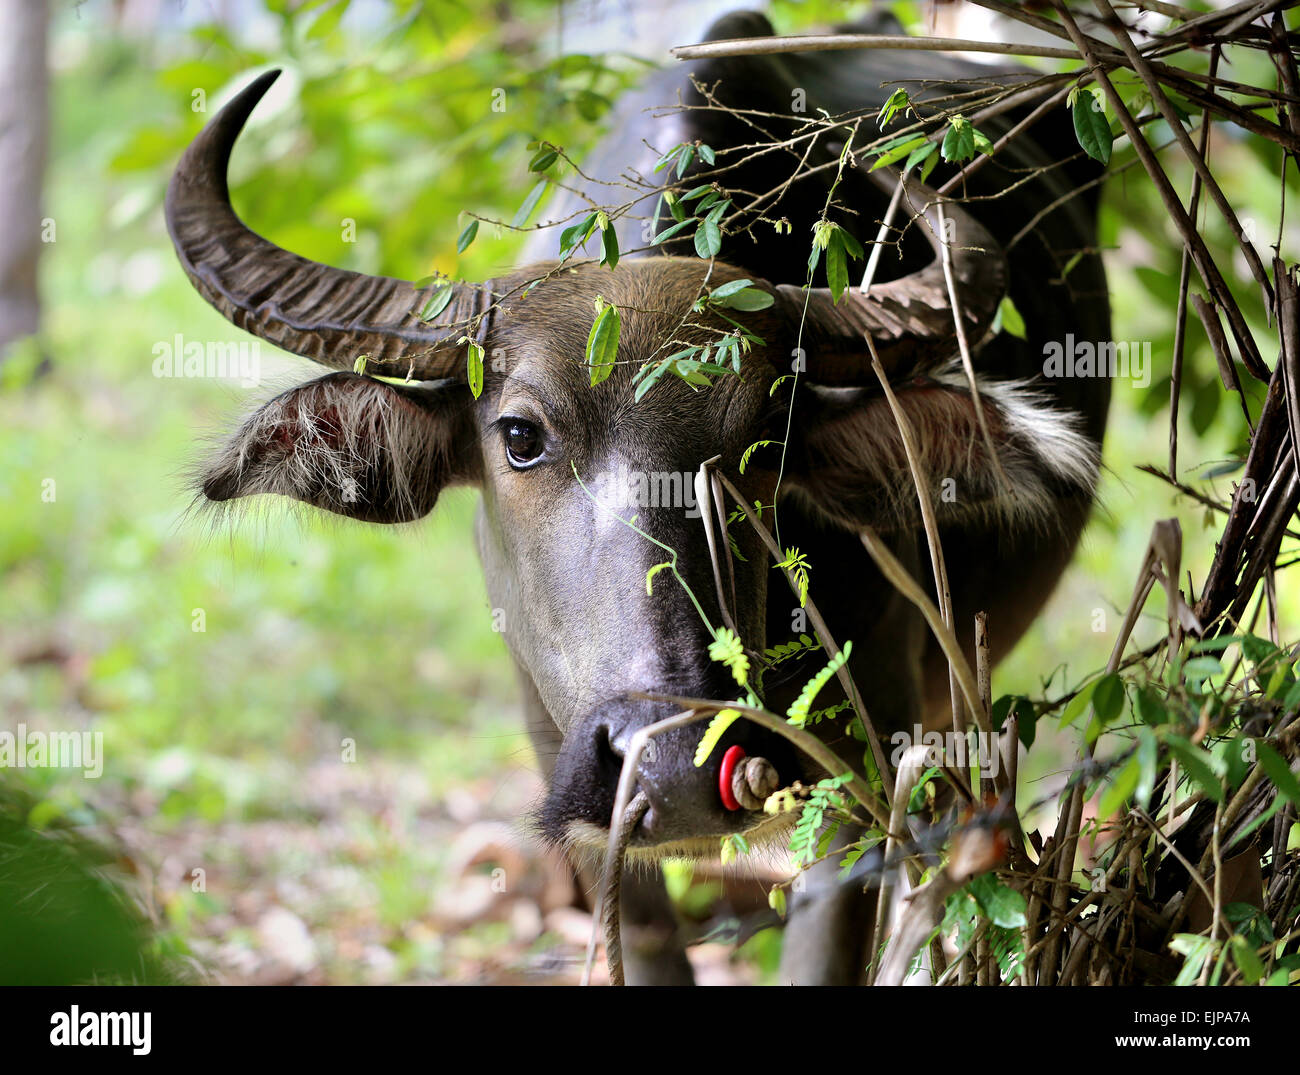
x=570 y=579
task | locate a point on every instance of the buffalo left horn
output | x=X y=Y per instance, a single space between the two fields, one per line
x=329 y=315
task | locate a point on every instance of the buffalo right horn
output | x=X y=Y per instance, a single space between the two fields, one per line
x=910 y=320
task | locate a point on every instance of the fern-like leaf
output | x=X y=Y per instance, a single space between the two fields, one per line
x=744 y=458
x=727 y=648
x=721 y=721
x=785 y=650
x=798 y=711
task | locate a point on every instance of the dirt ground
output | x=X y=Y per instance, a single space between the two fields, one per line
x=364 y=878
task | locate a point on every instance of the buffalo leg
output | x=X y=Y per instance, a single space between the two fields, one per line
x=828 y=935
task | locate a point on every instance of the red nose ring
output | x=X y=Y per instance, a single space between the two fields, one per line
x=730 y=760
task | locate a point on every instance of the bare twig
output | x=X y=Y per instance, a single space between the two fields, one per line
x=766 y=46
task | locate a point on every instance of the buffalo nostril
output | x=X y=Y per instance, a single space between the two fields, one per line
x=607 y=754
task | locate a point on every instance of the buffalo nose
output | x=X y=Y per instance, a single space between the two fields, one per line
x=741 y=783
x=686 y=801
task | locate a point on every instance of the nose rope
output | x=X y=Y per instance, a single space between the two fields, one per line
x=609 y=911
x=744 y=784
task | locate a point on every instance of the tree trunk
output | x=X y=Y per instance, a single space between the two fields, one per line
x=24 y=126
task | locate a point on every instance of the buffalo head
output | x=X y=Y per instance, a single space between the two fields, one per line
x=555 y=457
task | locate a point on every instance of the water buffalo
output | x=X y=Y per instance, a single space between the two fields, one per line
x=568 y=575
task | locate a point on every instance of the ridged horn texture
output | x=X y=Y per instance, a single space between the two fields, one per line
x=909 y=319
x=329 y=315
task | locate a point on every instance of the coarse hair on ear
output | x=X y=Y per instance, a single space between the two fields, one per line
x=353 y=445
x=851 y=466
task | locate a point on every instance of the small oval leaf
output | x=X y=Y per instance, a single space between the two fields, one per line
x=602 y=344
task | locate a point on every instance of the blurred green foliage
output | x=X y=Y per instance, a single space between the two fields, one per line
x=66 y=919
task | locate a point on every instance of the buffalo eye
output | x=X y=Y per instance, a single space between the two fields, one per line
x=523 y=442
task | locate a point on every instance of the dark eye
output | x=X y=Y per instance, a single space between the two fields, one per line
x=523 y=442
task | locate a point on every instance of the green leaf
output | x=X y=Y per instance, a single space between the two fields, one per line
x=1076 y=706
x=729 y=288
x=1108 y=698
x=1258 y=650
x=1149 y=704
x=1009 y=320
x=438 y=301
x=669 y=232
x=898 y=101
x=1246 y=958
x=543 y=159
x=723 y=720
x=1277 y=770
x=928 y=163
x=467 y=236
x=918 y=796
x=1237 y=758
x=609 y=245
x=1196 y=950
x=1199 y=669
x=748 y=300
x=1091 y=127
x=851 y=857
x=474 y=367
x=1281 y=680
x=1121 y=788
x=796 y=563
x=851 y=246
x=591 y=105
x=1148 y=758
x=911 y=146
x=958 y=140
x=602 y=344
x=1001 y=904
x=573 y=237
x=837 y=267
x=708 y=238
x=1025 y=712
x=1217 y=644
x=685 y=159
x=668 y=158
x=530 y=203
x=1197 y=764
x=921 y=153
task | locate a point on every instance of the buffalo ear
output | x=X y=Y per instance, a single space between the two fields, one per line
x=848 y=459
x=352 y=445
